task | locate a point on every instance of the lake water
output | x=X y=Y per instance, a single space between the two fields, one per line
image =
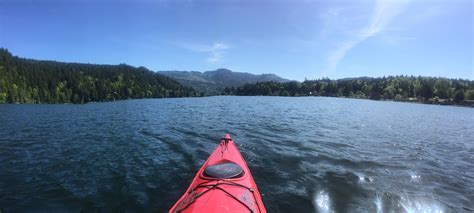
x=310 y=154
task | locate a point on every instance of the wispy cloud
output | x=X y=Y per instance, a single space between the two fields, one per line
x=215 y=50
x=384 y=12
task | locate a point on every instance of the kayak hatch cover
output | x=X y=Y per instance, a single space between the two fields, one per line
x=223 y=184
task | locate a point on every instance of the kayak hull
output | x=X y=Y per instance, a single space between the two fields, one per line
x=230 y=194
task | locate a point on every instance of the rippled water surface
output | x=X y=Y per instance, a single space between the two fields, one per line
x=306 y=154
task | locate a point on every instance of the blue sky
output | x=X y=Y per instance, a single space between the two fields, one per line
x=295 y=39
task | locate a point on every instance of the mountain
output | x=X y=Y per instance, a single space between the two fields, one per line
x=214 y=82
x=35 y=81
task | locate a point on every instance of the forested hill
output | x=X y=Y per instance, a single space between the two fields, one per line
x=34 y=81
x=214 y=82
x=399 y=88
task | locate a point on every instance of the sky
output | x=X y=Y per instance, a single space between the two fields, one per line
x=295 y=39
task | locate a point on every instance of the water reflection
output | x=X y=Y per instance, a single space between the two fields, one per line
x=322 y=202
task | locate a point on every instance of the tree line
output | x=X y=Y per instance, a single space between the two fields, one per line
x=398 y=88
x=34 y=81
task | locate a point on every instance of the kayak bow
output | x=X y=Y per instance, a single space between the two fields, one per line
x=223 y=184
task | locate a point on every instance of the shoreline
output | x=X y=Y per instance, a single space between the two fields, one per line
x=469 y=104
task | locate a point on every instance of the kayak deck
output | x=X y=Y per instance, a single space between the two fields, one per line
x=223 y=184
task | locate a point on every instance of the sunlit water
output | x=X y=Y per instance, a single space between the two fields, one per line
x=306 y=154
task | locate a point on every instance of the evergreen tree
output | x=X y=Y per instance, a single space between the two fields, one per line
x=399 y=88
x=34 y=81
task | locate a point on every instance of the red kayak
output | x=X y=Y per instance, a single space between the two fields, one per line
x=223 y=184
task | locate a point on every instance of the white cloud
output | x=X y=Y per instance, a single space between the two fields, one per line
x=215 y=50
x=384 y=12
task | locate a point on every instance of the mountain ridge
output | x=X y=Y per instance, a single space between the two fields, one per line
x=213 y=82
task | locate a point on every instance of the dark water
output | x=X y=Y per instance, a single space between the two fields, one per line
x=306 y=154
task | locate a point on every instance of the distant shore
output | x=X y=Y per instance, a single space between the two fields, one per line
x=417 y=89
x=442 y=102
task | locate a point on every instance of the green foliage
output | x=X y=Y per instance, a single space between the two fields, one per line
x=459 y=95
x=442 y=87
x=399 y=88
x=469 y=94
x=34 y=81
